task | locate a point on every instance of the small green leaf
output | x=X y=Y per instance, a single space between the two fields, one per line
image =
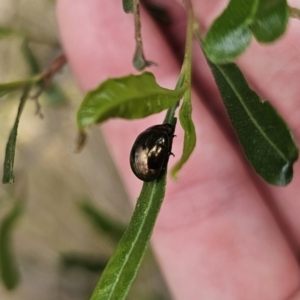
x=185 y=117
x=84 y=261
x=266 y=139
x=8 y=268
x=101 y=221
x=30 y=58
x=185 y=113
x=130 y=97
x=270 y=20
x=8 y=173
x=128 y=6
x=229 y=35
x=124 y=264
x=6 y=32
x=231 y=32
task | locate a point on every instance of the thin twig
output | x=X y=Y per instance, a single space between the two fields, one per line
x=139 y=60
x=45 y=80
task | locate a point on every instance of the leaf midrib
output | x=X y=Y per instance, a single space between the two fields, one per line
x=108 y=108
x=252 y=118
x=134 y=242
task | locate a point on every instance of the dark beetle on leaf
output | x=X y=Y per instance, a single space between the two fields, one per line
x=151 y=150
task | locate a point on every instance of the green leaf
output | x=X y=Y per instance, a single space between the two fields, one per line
x=85 y=261
x=100 y=220
x=6 y=88
x=229 y=35
x=185 y=117
x=231 y=32
x=185 y=113
x=8 y=173
x=6 y=32
x=128 y=6
x=124 y=264
x=270 y=20
x=30 y=58
x=8 y=268
x=130 y=97
x=266 y=139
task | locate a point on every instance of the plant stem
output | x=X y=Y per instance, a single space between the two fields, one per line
x=47 y=75
x=44 y=79
x=139 y=60
x=169 y=118
x=185 y=74
x=188 y=46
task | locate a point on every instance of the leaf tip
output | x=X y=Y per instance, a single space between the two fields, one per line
x=286 y=175
x=80 y=141
x=174 y=173
x=8 y=177
x=128 y=6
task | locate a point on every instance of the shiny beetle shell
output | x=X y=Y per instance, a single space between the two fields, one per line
x=151 y=150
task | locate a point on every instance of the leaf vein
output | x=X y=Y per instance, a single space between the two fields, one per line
x=239 y=97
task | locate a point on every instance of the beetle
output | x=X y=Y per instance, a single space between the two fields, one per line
x=151 y=150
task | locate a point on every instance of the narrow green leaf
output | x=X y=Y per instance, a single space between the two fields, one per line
x=87 y=262
x=8 y=173
x=231 y=32
x=128 y=6
x=185 y=117
x=270 y=20
x=30 y=58
x=266 y=139
x=130 y=97
x=185 y=113
x=103 y=223
x=6 y=88
x=124 y=264
x=229 y=35
x=7 y=32
x=8 y=268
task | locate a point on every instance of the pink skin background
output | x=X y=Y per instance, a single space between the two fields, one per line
x=222 y=232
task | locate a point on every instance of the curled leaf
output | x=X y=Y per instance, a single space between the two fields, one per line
x=8 y=172
x=130 y=97
x=185 y=117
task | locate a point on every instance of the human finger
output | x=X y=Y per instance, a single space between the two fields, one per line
x=213 y=225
